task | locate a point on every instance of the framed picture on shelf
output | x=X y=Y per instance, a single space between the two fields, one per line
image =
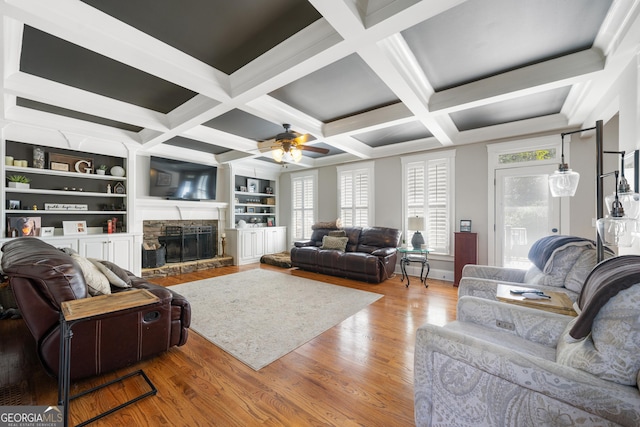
x=70 y=228
x=253 y=185
x=271 y=221
x=268 y=190
x=56 y=166
x=251 y=210
x=465 y=225
x=24 y=226
x=243 y=189
x=47 y=231
x=13 y=205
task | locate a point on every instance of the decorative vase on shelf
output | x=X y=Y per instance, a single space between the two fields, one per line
x=117 y=171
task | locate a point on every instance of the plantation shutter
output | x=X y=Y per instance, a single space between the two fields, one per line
x=355 y=197
x=415 y=187
x=303 y=206
x=438 y=227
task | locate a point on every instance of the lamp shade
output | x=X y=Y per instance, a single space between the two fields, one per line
x=416 y=223
x=563 y=183
x=619 y=232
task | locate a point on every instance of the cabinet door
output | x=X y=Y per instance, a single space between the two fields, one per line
x=274 y=240
x=251 y=244
x=94 y=247
x=121 y=252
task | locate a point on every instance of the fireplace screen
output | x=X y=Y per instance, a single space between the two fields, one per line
x=189 y=243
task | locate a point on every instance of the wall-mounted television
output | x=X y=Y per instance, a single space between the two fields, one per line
x=181 y=180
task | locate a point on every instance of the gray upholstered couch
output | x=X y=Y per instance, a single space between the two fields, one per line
x=560 y=263
x=549 y=370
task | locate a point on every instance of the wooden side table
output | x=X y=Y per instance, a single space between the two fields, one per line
x=76 y=311
x=558 y=303
x=466 y=252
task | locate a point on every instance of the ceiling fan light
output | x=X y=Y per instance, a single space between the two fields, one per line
x=296 y=154
x=278 y=154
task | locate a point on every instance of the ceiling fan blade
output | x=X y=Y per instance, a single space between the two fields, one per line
x=302 y=138
x=267 y=145
x=314 y=149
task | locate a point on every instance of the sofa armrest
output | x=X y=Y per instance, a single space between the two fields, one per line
x=539 y=326
x=515 y=275
x=303 y=243
x=384 y=252
x=453 y=372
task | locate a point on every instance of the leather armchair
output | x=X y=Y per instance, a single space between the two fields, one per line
x=544 y=368
x=42 y=277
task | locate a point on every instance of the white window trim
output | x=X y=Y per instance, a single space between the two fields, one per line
x=426 y=157
x=351 y=167
x=297 y=175
x=493 y=153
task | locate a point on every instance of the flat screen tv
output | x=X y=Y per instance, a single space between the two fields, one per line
x=180 y=180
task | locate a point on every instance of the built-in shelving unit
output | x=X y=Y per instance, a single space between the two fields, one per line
x=83 y=196
x=254 y=201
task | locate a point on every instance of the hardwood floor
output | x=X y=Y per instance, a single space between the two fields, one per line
x=358 y=373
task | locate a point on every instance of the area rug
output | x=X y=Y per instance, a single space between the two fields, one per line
x=259 y=316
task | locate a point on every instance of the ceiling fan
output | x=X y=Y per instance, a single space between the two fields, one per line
x=288 y=146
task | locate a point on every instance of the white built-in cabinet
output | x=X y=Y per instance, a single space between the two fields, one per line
x=247 y=245
x=115 y=248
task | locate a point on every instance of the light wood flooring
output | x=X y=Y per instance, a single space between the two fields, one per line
x=358 y=373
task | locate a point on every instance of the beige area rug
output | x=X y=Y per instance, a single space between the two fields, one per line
x=259 y=316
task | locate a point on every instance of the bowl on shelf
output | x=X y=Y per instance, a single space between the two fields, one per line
x=117 y=171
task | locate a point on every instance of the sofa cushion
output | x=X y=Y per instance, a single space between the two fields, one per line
x=337 y=243
x=612 y=351
x=112 y=277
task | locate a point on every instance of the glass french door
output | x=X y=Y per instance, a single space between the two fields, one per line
x=525 y=212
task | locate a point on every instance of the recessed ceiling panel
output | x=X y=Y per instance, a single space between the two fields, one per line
x=481 y=38
x=49 y=57
x=34 y=105
x=240 y=123
x=394 y=134
x=526 y=107
x=342 y=89
x=192 y=144
x=224 y=34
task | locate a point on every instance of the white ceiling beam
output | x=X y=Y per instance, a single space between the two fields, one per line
x=66 y=124
x=368 y=121
x=552 y=74
x=49 y=92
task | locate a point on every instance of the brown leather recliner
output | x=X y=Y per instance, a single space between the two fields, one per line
x=42 y=277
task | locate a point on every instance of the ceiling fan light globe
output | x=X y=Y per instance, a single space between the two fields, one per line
x=296 y=154
x=278 y=154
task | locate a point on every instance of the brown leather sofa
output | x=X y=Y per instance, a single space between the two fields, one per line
x=42 y=277
x=370 y=254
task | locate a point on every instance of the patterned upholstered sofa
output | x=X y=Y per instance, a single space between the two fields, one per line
x=549 y=370
x=560 y=263
x=368 y=254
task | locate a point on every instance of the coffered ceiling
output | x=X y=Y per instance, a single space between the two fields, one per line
x=365 y=79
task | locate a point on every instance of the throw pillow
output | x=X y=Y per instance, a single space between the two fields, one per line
x=96 y=281
x=337 y=243
x=338 y=233
x=119 y=271
x=110 y=275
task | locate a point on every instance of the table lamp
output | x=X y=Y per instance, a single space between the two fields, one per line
x=416 y=223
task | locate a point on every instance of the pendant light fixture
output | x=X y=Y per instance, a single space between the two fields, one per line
x=564 y=181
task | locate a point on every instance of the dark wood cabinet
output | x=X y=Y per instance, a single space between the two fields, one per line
x=466 y=252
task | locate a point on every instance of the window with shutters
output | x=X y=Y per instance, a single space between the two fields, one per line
x=429 y=186
x=355 y=194
x=304 y=190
